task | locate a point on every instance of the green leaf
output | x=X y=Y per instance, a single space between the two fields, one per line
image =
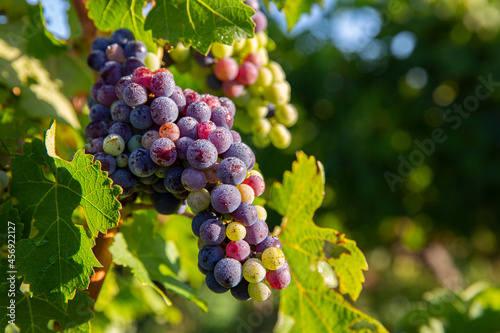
x=39 y=95
x=40 y=43
x=34 y=315
x=293 y=9
x=201 y=22
x=150 y=257
x=59 y=259
x=115 y=14
x=307 y=304
x=10 y=226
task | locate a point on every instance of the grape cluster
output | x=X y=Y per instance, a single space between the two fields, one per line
x=243 y=72
x=177 y=146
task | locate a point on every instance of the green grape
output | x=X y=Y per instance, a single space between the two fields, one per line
x=262 y=38
x=255 y=90
x=278 y=73
x=198 y=201
x=273 y=258
x=261 y=141
x=265 y=78
x=235 y=231
x=280 y=136
x=278 y=93
x=247 y=193
x=180 y=53
x=135 y=142
x=259 y=291
x=286 y=114
x=261 y=212
x=264 y=56
x=161 y=171
x=220 y=51
x=199 y=73
x=121 y=160
x=113 y=145
x=257 y=108
x=261 y=127
x=152 y=61
x=251 y=45
x=254 y=270
x=4 y=179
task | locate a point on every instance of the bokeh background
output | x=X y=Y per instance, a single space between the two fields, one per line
x=370 y=79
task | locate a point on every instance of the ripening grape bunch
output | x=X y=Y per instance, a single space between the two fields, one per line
x=244 y=73
x=177 y=147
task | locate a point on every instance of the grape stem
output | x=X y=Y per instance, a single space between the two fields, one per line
x=88 y=27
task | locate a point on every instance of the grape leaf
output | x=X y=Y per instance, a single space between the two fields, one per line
x=9 y=218
x=307 y=304
x=112 y=15
x=39 y=95
x=40 y=43
x=293 y=9
x=150 y=257
x=33 y=314
x=201 y=22
x=58 y=260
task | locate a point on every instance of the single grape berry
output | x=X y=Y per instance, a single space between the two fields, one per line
x=201 y=154
x=273 y=258
x=212 y=232
x=225 y=199
x=228 y=272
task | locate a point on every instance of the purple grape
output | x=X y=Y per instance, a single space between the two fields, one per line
x=228 y=103
x=164 y=110
x=106 y=95
x=115 y=52
x=99 y=112
x=271 y=110
x=213 y=82
x=222 y=117
x=121 y=129
x=149 y=138
x=212 y=232
x=166 y=203
x=120 y=111
x=228 y=272
x=221 y=138
x=136 y=49
x=162 y=84
x=280 y=278
x=122 y=84
x=172 y=180
x=95 y=87
x=182 y=146
x=108 y=162
x=236 y=136
x=159 y=187
x=140 y=117
x=193 y=180
x=246 y=213
x=163 y=152
x=260 y=21
x=257 y=232
x=254 y=4
x=241 y=151
x=204 y=60
x=100 y=43
x=179 y=98
x=211 y=173
x=122 y=36
x=225 y=198
x=202 y=154
x=140 y=163
x=231 y=171
x=96 y=129
x=96 y=59
x=269 y=241
x=199 y=219
x=130 y=65
x=135 y=95
x=199 y=111
x=111 y=72
x=213 y=285
x=150 y=180
x=240 y=292
x=209 y=256
x=96 y=145
x=204 y=271
x=188 y=126
x=239 y=250
x=125 y=179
